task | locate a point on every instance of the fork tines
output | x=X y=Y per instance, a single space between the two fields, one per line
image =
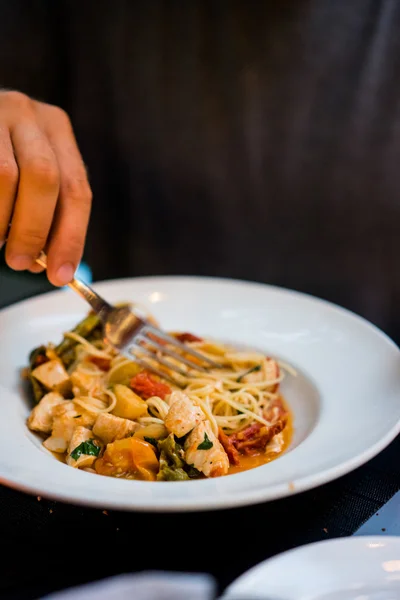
x=153 y=344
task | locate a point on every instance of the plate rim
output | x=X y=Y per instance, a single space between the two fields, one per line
x=265 y=494
x=298 y=550
x=210 y=279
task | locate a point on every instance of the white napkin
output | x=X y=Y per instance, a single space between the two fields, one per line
x=143 y=586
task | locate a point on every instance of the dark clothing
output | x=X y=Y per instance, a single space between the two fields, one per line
x=258 y=140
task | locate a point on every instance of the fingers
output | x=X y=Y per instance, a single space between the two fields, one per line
x=44 y=189
x=37 y=194
x=8 y=182
x=36 y=269
x=71 y=218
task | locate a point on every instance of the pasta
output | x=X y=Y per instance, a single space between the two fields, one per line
x=101 y=412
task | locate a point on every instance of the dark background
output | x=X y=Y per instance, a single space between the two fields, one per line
x=258 y=140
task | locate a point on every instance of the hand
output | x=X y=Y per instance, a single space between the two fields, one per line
x=44 y=191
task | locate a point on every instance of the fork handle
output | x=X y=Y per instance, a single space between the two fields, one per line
x=98 y=304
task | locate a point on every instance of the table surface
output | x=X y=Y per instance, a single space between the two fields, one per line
x=385 y=522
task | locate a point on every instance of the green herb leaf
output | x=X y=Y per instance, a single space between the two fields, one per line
x=252 y=370
x=88 y=448
x=206 y=444
x=151 y=441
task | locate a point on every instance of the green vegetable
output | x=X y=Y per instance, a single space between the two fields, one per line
x=172 y=450
x=37 y=353
x=172 y=465
x=37 y=356
x=167 y=473
x=206 y=444
x=85 y=328
x=38 y=390
x=96 y=335
x=151 y=441
x=252 y=370
x=88 y=448
x=69 y=357
x=90 y=326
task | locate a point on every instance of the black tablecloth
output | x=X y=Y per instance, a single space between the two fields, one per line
x=49 y=545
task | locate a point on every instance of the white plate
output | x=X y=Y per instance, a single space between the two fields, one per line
x=346 y=398
x=360 y=568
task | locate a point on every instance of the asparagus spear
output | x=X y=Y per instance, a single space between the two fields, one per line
x=84 y=329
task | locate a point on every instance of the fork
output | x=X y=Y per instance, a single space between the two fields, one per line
x=136 y=338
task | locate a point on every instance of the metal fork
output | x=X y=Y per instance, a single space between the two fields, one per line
x=137 y=339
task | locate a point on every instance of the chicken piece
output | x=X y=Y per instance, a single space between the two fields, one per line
x=52 y=375
x=67 y=407
x=84 y=418
x=81 y=434
x=183 y=415
x=62 y=432
x=267 y=371
x=156 y=431
x=205 y=453
x=82 y=383
x=272 y=372
x=275 y=446
x=276 y=411
x=110 y=428
x=42 y=416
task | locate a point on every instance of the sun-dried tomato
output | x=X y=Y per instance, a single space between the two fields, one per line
x=187 y=337
x=229 y=447
x=146 y=386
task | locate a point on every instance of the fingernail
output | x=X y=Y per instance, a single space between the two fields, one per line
x=20 y=262
x=65 y=274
